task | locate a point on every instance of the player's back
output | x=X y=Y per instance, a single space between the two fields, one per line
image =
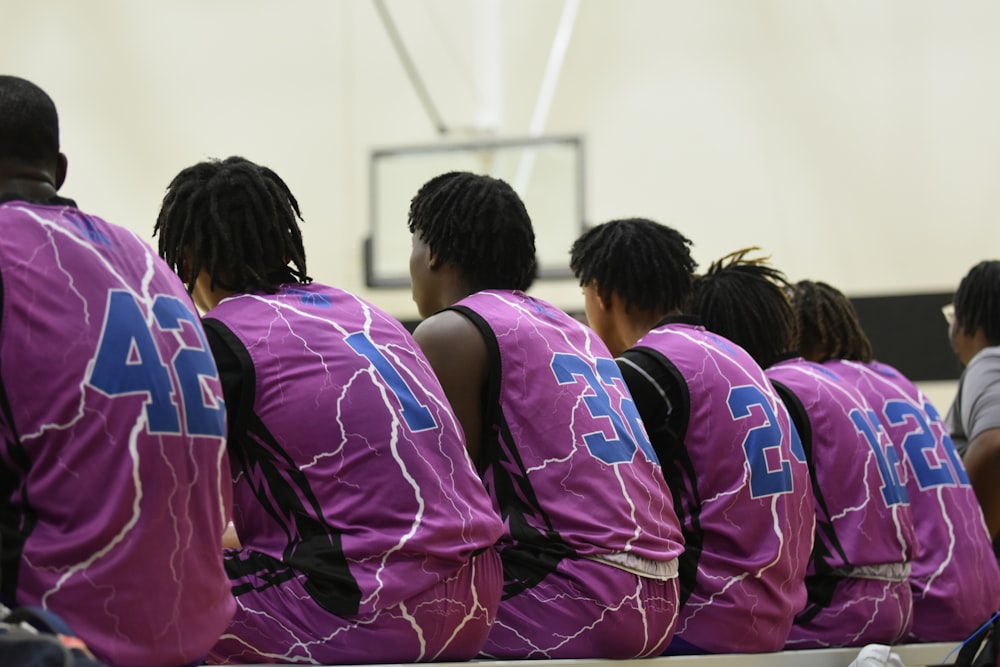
x=741 y=490
x=857 y=469
x=857 y=581
x=569 y=466
x=113 y=431
x=351 y=469
x=955 y=579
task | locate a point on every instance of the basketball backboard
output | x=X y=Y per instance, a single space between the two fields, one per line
x=546 y=172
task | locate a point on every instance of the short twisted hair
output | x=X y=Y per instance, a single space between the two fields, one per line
x=977 y=301
x=746 y=301
x=828 y=324
x=479 y=224
x=648 y=265
x=236 y=220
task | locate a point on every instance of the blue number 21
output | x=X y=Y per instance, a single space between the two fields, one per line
x=128 y=362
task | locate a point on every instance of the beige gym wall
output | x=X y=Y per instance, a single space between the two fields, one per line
x=856 y=141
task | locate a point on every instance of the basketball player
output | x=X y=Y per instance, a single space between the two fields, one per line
x=740 y=483
x=111 y=423
x=366 y=536
x=857 y=582
x=954 y=575
x=591 y=542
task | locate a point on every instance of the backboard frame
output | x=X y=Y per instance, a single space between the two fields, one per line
x=575 y=143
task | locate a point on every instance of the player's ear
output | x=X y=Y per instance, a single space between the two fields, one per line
x=184 y=268
x=604 y=302
x=61 y=167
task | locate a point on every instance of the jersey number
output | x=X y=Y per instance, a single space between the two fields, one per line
x=568 y=367
x=416 y=416
x=916 y=444
x=893 y=491
x=128 y=362
x=764 y=481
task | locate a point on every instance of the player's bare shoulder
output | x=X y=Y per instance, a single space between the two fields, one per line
x=450 y=338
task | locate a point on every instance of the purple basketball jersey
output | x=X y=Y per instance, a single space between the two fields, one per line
x=955 y=579
x=864 y=529
x=591 y=535
x=570 y=467
x=857 y=468
x=746 y=498
x=113 y=441
x=353 y=476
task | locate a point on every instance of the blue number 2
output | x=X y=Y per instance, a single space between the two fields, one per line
x=568 y=367
x=917 y=442
x=763 y=481
x=128 y=362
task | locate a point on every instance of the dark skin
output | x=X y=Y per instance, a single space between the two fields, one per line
x=452 y=344
x=457 y=353
x=32 y=182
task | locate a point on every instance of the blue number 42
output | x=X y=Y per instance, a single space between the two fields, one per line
x=128 y=362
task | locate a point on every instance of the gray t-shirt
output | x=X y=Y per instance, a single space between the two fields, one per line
x=976 y=407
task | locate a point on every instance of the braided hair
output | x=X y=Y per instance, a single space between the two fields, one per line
x=977 y=301
x=29 y=124
x=829 y=327
x=647 y=264
x=479 y=224
x=746 y=301
x=236 y=220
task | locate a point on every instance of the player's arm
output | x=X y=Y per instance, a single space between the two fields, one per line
x=982 y=463
x=981 y=408
x=230 y=540
x=457 y=352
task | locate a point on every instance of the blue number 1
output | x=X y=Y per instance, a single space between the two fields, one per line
x=893 y=492
x=416 y=416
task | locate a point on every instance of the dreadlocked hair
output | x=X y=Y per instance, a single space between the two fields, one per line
x=828 y=324
x=648 y=265
x=745 y=300
x=236 y=220
x=977 y=301
x=479 y=224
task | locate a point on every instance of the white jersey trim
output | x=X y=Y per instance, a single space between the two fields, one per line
x=663 y=570
x=881 y=571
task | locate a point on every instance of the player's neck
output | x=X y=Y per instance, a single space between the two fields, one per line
x=206 y=296
x=30 y=182
x=27 y=189
x=633 y=325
